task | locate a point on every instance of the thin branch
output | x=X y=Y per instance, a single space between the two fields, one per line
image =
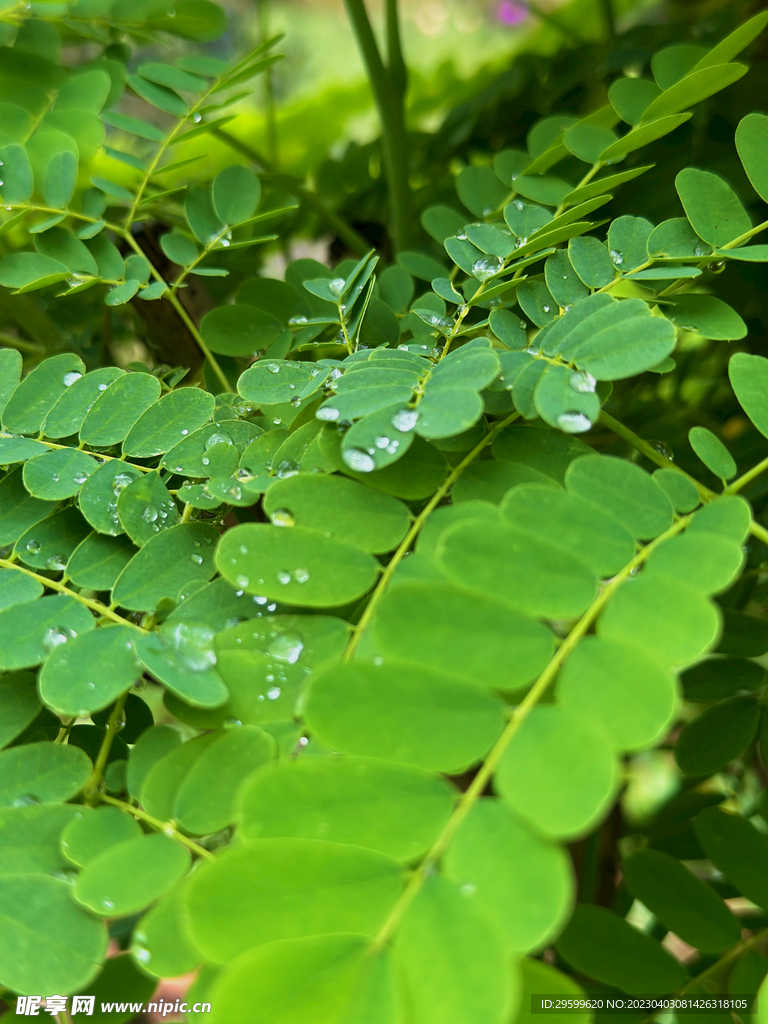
x=90 y=790
x=167 y=827
x=62 y=588
x=414 y=531
x=518 y=716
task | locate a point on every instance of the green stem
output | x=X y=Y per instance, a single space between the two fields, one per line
x=650 y=452
x=725 y=960
x=184 y=316
x=389 y=99
x=23 y=346
x=517 y=718
x=346 y=232
x=745 y=478
x=90 y=790
x=160 y=826
x=746 y=236
x=398 y=72
x=758 y=531
x=101 y=455
x=610 y=22
x=269 y=87
x=414 y=531
x=95 y=606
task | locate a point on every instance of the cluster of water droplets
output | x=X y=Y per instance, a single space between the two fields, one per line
x=617 y=257
x=56 y=636
x=486 y=267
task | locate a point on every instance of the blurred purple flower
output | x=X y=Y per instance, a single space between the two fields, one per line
x=509 y=12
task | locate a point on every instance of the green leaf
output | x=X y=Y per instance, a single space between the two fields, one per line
x=533 y=575
x=49 y=544
x=58 y=474
x=236 y=193
x=630 y=97
x=60 y=180
x=621 y=688
x=201 y=216
x=692 y=89
x=20 y=449
x=168 y=561
x=19 y=704
x=752 y=146
x=713 y=208
x=297 y=564
x=681 y=492
x=570 y=524
x=240 y=330
x=749 y=379
x=447 y=412
x=119 y=982
x=199 y=20
x=562 y=281
x=30 y=838
x=703 y=561
x=205 y=800
x=18 y=509
x=682 y=901
x=67 y=415
x=18 y=181
x=145 y=507
x=560 y=772
x=420 y=265
x=708 y=316
x=453 y=962
x=90 y=671
x=504 y=866
x=719 y=735
x=587 y=141
x=30 y=631
x=48 y=943
x=181 y=656
x=426 y=623
x=606 y=184
x=400 y=712
x=158 y=95
x=602 y=945
x=480 y=190
x=716 y=678
x=737 y=849
x=159 y=943
x=128 y=876
x=151 y=747
x=99 y=494
x=673 y=63
x=330 y=977
x=559 y=402
x=622 y=490
x=91 y=832
x=591 y=261
x=268 y=889
x=675 y=238
x=338 y=508
x=41 y=773
x=97 y=561
x=169 y=420
x=173 y=77
x=117 y=408
x=387 y=807
x=642 y=135
x=34 y=398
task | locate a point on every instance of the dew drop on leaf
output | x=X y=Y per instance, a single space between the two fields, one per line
x=70 y=378
x=574 y=422
x=583 y=383
x=358 y=460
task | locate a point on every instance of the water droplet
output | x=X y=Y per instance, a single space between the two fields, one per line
x=301 y=575
x=358 y=460
x=328 y=413
x=617 y=257
x=583 y=383
x=26 y=800
x=574 y=422
x=286 y=647
x=219 y=437
x=184 y=432
x=468 y=889
x=242 y=581
x=295 y=401
x=149 y=515
x=141 y=954
x=282 y=517
x=461 y=234
x=547 y=309
x=518 y=203
x=102 y=387
x=381 y=442
x=486 y=267
x=79 y=478
x=700 y=250
x=121 y=481
x=405 y=420
x=273 y=693
x=33 y=546
x=296 y=320
x=197 y=559
x=336 y=286
x=287 y=468
x=56 y=636
x=55 y=477
x=56 y=562
x=663 y=449
x=70 y=378
x=283 y=577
